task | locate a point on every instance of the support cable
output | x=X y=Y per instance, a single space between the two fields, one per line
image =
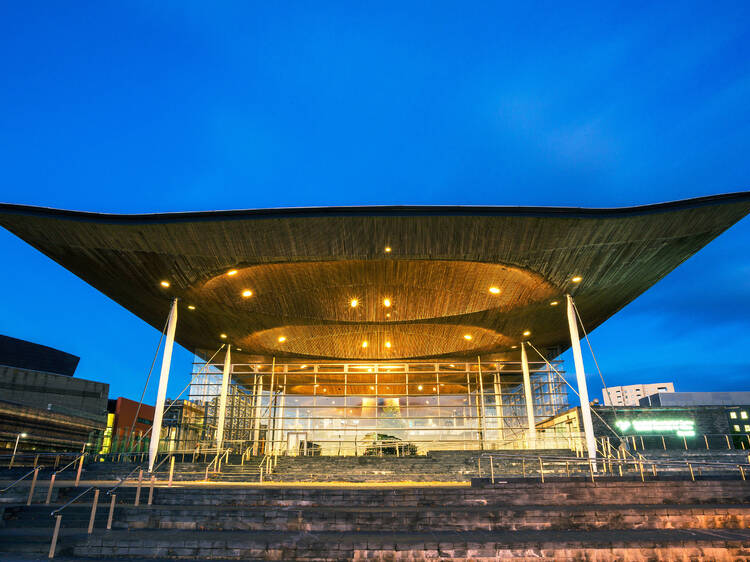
x=140 y=440
x=559 y=374
x=148 y=378
x=593 y=355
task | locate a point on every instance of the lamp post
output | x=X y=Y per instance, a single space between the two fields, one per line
x=13 y=457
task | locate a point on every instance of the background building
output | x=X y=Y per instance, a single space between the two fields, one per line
x=39 y=397
x=631 y=395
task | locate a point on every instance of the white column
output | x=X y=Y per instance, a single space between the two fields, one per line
x=529 y=396
x=583 y=392
x=223 y=399
x=161 y=394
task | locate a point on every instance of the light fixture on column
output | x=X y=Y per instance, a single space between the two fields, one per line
x=554 y=303
x=576 y=279
x=388 y=344
x=387 y=250
x=495 y=290
x=386 y=302
x=527 y=333
x=191 y=307
x=247 y=293
x=353 y=303
x=223 y=336
x=164 y=284
x=232 y=272
x=364 y=343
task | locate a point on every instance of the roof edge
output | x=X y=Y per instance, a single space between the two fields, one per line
x=378 y=211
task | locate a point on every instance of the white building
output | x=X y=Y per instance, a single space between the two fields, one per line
x=630 y=395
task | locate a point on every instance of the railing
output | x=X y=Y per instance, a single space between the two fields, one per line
x=622 y=464
x=57 y=514
x=35 y=472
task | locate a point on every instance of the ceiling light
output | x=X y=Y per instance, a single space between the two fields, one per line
x=303 y=367
x=388 y=344
x=495 y=290
x=467 y=336
x=282 y=339
x=372 y=388
x=577 y=279
x=325 y=390
x=434 y=388
x=232 y=272
x=364 y=344
x=191 y=307
x=239 y=349
x=165 y=283
x=452 y=365
x=554 y=303
x=247 y=293
x=353 y=303
x=419 y=387
x=223 y=336
x=527 y=333
x=388 y=315
x=387 y=249
x=386 y=302
x=514 y=347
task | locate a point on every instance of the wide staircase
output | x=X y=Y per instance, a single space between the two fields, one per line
x=669 y=518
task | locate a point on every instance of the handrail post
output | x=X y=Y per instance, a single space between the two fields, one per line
x=492 y=470
x=727 y=438
x=33 y=485
x=138 y=488
x=80 y=467
x=541 y=469
x=692 y=475
x=171 y=470
x=93 y=511
x=479 y=466
x=742 y=471
x=55 y=534
x=111 y=511
x=523 y=466
x=705 y=438
x=51 y=485
x=591 y=470
x=151 y=489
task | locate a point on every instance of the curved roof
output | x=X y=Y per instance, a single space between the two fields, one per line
x=304 y=266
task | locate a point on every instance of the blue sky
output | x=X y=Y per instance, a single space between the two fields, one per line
x=173 y=106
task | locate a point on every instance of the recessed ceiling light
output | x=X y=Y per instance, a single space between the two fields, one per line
x=191 y=307
x=282 y=339
x=247 y=293
x=239 y=349
x=467 y=336
x=387 y=249
x=303 y=367
x=325 y=390
x=388 y=344
x=554 y=303
x=372 y=388
x=164 y=283
x=577 y=279
x=388 y=315
x=514 y=347
x=452 y=365
x=223 y=336
x=353 y=303
x=527 y=333
x=364 y=344
x=386 y=302
x=495 y=290
x=419 y=387
x=434 y=388
x=232 y=272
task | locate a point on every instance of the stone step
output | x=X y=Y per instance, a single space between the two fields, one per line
x=474 y=545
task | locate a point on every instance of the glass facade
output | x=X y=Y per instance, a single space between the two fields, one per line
x=368 y=408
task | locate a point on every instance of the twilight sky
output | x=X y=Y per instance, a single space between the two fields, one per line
x=174 y=106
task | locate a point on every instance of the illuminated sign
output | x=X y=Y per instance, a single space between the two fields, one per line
x=683 y=428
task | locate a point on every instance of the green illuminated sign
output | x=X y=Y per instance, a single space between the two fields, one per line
x=683 y=428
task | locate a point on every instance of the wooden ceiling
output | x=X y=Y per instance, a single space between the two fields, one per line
x=305 y=266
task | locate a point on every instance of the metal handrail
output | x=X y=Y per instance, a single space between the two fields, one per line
x=59 y=509
x=75 y=460
x=113 y=488
x=29 y=473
